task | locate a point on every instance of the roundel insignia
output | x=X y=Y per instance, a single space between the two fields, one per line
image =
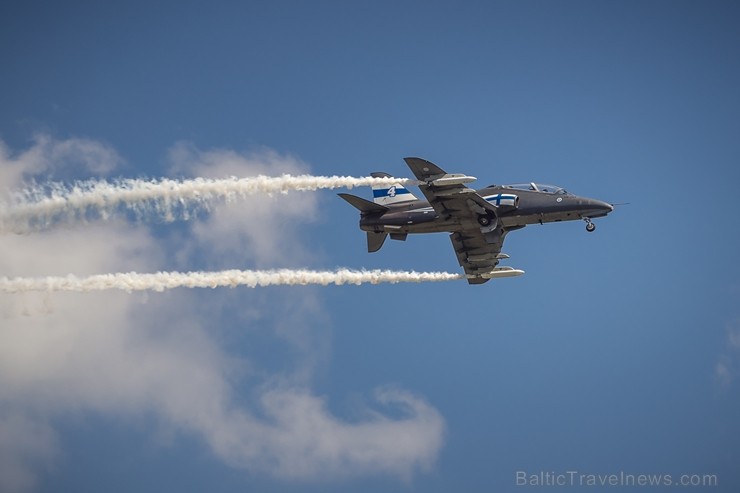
x=559 y=199
x=392 y=192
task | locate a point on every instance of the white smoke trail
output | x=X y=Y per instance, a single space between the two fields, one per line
x=41 y=206
x=160 y=281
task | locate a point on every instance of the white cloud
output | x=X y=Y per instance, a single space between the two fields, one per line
x=133 y=355
x=25 y=444
x=723 y=370
x=733 y=336
x=259 y=228
x=308 y=441
x=727 y=368
x=48 y=155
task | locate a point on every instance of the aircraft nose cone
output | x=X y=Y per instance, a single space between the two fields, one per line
x=598 y=208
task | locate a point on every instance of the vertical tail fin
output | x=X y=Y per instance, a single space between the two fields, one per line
x=385 y=195
x=375 y=241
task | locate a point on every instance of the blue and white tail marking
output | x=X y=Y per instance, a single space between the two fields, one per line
x=396 y=193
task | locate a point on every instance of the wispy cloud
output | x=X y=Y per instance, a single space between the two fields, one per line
x=727 y=368
x=25 y=444
x=131 y=355
x=50 y=157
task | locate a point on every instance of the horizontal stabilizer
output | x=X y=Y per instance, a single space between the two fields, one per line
x=364 y=206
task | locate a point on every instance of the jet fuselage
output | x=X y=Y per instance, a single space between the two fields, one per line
x=532 y=207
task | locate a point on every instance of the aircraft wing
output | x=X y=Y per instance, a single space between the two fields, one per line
x=478 y=254
x=448 y=195
x=478 y=247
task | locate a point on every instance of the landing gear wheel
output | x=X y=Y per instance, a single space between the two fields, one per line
x=590 y=227
x=484 y=220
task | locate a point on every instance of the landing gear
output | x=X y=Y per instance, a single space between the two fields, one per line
x=484 y=219
x=590 y=227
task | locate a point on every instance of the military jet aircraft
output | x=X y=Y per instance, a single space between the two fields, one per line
x=477 y=220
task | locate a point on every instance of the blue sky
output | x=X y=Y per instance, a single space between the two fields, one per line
x=616 y=351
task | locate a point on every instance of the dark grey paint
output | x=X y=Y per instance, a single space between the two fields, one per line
x=477 y=227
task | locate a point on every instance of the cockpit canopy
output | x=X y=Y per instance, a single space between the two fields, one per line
x=538 y=187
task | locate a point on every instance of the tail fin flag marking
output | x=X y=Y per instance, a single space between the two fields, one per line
x=386 y=195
